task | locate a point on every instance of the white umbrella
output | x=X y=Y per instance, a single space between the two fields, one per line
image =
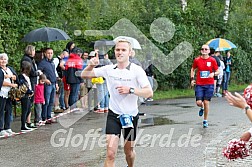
x=134 y=43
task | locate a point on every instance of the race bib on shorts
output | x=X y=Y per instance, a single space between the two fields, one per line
x=204 y=74
x=126 y=121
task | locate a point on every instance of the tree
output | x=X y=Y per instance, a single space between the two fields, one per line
x=194 y=23
x=226 y=11
x=183 y=5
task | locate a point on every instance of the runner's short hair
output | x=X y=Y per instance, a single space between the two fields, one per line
x=124 y=40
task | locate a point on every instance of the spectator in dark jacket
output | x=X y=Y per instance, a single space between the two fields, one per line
x=48 y=68
x=29 y=56
x=73 y=65
x=34 y=73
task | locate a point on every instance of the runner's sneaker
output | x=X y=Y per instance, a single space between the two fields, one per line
x=10 y=132
x=201 y=111
x=3 y=133
x=205 y=124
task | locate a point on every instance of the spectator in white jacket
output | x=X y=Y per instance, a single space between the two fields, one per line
x=220 y=77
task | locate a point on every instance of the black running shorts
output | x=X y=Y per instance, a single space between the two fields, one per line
x=114 y=126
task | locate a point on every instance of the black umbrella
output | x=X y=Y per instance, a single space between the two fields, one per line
x=46 y=34
x=103 y=42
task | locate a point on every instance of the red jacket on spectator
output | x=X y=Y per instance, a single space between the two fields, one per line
x=39 y=94
x=73 y=64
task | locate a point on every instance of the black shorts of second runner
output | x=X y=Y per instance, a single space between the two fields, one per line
x=114 y=126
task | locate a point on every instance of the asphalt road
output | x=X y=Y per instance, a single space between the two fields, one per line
x=171 y=135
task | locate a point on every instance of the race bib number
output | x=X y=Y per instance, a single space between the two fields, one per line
x=126 y=121
x=204 y=74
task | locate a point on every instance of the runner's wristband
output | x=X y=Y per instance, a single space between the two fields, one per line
x=246 y=109
x=192 y=78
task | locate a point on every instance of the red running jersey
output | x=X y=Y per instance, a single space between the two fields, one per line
x=204 y=68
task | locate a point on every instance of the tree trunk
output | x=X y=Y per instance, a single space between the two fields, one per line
x=184 y=5
x=226 y=11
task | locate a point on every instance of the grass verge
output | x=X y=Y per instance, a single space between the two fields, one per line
x=181 y=93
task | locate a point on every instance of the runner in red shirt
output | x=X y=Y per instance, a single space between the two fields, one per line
x=207 y=68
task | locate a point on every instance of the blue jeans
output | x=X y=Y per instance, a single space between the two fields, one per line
x=5 y=113
x=151 y=81
x=226 y=78
x=61 y=94
x=74 y=92
x=103 y=96
x=50 y=91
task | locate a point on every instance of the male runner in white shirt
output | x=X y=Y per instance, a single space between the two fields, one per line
x=126 y=81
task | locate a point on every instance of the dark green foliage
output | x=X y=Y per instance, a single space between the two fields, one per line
x=202 y=21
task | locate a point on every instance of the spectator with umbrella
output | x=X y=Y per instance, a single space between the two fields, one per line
x=220 y=44
x=48 y=68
